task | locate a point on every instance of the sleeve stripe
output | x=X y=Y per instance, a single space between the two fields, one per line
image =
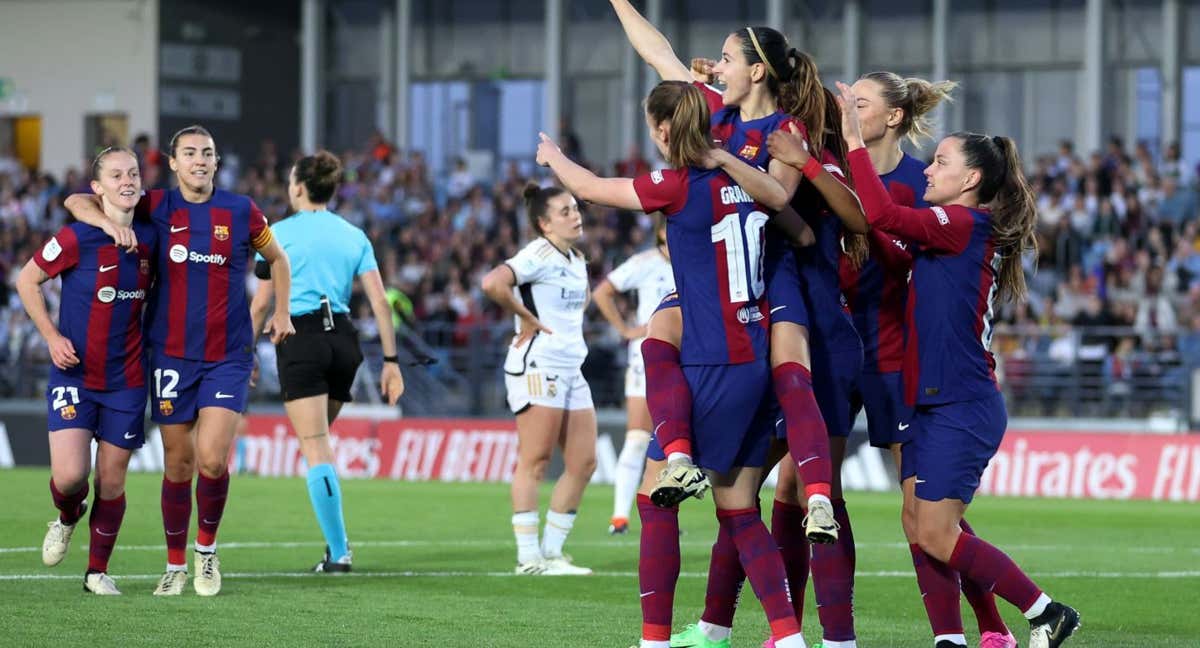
x=263 y=239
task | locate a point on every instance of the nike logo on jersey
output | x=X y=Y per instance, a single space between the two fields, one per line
x=176 y=230
x=778 y=308
x=220 y=395
x=105 y=268
x=902 y=427
x=130 y=435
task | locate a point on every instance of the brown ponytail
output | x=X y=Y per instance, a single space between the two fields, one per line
x=803 y=97
x=916 y=97
x=682 y=105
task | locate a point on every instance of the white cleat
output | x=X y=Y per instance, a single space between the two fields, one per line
x=57 y=542
x=819 y=525
x=678 y=481
x=207 y=581
x=171 y=584
x=562 y=566
x=99 y=583
x=531 y=568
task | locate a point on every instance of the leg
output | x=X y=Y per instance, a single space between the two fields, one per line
x=112 y=462
x=70 y=456
x=787 y=528
x=310 y=418
x=538 y=429
x=808 y=440
x=214 y=437
x=833 y=564
x=629 y=462
x=939 y=585
x=658 y=559
x=179 y=458
x=579 y=462
x=667 y=393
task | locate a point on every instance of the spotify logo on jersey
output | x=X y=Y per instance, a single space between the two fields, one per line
x=178 y=253
x=106 y=294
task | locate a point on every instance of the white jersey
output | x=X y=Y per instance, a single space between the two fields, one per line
x=648 y=272
x=554 y=287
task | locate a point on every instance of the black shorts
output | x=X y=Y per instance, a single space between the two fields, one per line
x=315 y=361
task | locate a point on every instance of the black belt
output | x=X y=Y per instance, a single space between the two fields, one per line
x=311 y=322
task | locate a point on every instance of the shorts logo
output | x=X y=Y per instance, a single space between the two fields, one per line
x=221 y=232
x=178 y=253
x=748 y=152
x=52 y=249
x=106 y=294
x=943 y=218
x=67 y=413
x=655 y=176
x=144 y=266
x=551 y=387
x=166 y=407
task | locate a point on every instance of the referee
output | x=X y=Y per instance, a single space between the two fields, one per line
x=317 y=365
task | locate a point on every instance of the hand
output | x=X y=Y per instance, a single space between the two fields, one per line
x=391 y=383
x=789 y=146
x=702 y=69
x=713 y=158
x=547 y=150
x=123 y=236
x=633 y=333
x=280 y=327
x=851 y=127
x=529 y=327
x=254 y=373
x=62 y=352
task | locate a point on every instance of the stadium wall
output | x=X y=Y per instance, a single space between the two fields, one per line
x=104 y=60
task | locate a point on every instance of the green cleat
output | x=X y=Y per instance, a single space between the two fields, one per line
x=693 y=637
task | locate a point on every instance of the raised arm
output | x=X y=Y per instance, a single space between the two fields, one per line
x=651 y=45
x=788 y=146
x=585 y=185
x=87 y=208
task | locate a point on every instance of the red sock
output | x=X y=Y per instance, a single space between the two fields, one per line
x=68 y=504
x=808 y=441
x=982 y=601
x=658 y=567
x=764 y=568
x=833 y=579
x=177 y=515
x=668 y=397
x=210 y=504
x=725 y=580
x=787 y=527
x=105 y=523
x=939 y=592
x=992 y=570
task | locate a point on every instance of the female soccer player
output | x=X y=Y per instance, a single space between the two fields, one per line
x=649 y=273
x=97 y=386
x=318 y=364
x=715 y=231
x=545 y=286
x=200 y=339
x=971 y=240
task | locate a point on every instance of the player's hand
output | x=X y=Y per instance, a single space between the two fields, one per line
x=280 y=328
x=529 y=327
x=123 y=236
x=547 y=150
x=713 y=158
x=254 y=373
x=851 y=127
x=702 y=70
x=391 y=383
x=62 y=352
x=789 y=146
x=634 y=332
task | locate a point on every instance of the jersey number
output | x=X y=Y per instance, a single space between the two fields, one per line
x=171 y=377
x=64 y=396
x=745 y=240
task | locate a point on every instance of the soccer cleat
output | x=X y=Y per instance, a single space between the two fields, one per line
x=618 y=526
x=562 y=566
x=1053 y=626
x=208 y=574
x=997 y=640
x=531 y=568
x=948 y=644
x=678 y=481
x=58 y=539
x=171 y=584
x=693 y=636
x=99 y=583
x=819 y=525
x=339 y=566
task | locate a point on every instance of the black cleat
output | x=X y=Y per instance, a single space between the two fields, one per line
x=1053 y=626
x=327 y=566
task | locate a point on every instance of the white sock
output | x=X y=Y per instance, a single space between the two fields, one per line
x=793 y=641
x=838 y=644
x=629 y=471
x=646 y=643
x=956 y=639
x=554 y=534
x=1038 y=607
x=817 y=497
x=714 y=632
x=679 y=456
x=525 y=528
x=176 y=568
x=212 y=548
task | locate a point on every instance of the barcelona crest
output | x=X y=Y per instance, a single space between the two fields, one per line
x=166 y=407
x=221 y=232
x=144 y=266
x=67 y=413
x=748 y=152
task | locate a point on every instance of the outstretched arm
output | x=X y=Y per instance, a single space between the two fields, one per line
x=651 y=45
x=585 y=185
x=788 y=147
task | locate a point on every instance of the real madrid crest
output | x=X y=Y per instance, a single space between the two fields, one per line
x=551 y=387
x=221 y=232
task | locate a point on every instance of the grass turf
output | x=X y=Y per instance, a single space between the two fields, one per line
x=433 y=562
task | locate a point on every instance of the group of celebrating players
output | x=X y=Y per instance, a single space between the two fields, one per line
x=804 y=268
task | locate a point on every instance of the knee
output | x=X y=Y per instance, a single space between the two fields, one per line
x=934 y=541
x=213 y=467
x=70 y=480
x=535 y=465
x=908 y=520
x=583 y=466
x=110 y=486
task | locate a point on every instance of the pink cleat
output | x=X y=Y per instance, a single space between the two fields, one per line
x=997 y=640
x=769 y=643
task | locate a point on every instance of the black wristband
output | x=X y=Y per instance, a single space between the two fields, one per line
x=395 y=359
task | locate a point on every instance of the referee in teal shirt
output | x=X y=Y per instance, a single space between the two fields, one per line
x=317 y=365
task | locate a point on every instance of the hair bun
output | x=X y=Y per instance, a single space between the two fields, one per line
x=531 y=191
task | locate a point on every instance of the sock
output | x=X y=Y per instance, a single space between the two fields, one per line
x=647 y=643
x=525 y=528
x=325 y=493
x=725 y=579
x=210 y=506
x=808 y=440
x=105 y=523
x=1039 y=606
x=764 y=568
x=787 y=527
x=792 y=641
x=668 y=397
x=658 y=569
x=939 y=592
x=554 y=535
x=982 y=601
x=833 y=579
x=992 y=569
x=177 y=515
x=629 y=472
x=68 y=504
x=839 y=644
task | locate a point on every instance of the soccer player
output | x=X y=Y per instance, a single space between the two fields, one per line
x=971 y=240
x=97 y=385
x=649 y=273
x=715 y=230
x=318 y=364
x=545 y=286
x=200 y=339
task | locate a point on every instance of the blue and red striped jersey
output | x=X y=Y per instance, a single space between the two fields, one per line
x=947 y=354
x=103 y=294
x=715 y=234
x=198 y=308
x=745 y=139
x=877 y=292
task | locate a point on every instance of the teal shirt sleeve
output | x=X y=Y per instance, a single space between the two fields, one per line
x=366 y=261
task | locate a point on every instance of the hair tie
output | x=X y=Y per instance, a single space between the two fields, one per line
x=758 y=48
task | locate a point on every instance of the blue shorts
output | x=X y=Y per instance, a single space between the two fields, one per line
x=834 y=375
x=951 y=446
x=888 y=417
x=179 y=388
x=784 y=298
x=668 y=301
x=117 y=417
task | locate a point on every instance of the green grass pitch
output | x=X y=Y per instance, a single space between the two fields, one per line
x=433 y=568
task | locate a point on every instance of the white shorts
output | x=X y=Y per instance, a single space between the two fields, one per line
x=635 y=374
x=555 y=388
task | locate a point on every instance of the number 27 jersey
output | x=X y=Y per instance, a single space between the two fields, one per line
x=715 y=234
